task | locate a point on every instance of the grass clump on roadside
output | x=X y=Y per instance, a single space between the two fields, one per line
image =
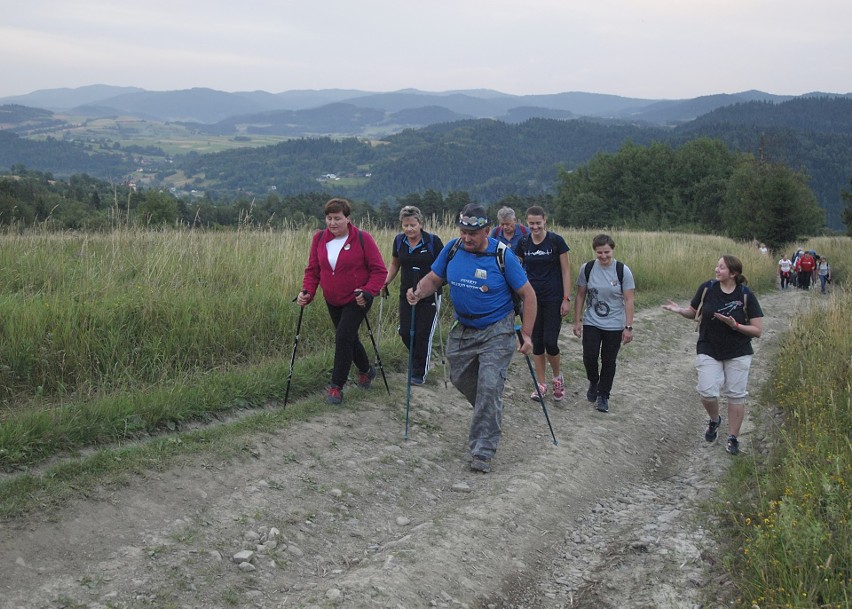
x=792 y=544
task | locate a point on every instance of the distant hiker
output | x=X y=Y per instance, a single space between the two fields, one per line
x=729 y=317
x=606 y=286
x=414 y=250
x=795 y=274
x=509 y=231
x=805 y=266
x=347 y=264
x=482 y=274
x=544 y=255
x=824 y=273
x=784 y=267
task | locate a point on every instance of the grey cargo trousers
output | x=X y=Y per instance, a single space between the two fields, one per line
x=479 y=361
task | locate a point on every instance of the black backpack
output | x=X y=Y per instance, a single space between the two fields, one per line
x=500 y=254
x=619 y=270
x=430 y=243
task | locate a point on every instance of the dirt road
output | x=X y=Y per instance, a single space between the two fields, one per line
x=341 y=512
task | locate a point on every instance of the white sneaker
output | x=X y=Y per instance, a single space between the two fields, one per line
x=558 y=388
x=542 y=389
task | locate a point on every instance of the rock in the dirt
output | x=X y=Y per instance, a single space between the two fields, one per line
x=243 y=556
x=247 y=567
x=461 y=487
x=403 y=521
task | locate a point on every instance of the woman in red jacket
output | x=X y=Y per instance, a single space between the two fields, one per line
x=347 y=264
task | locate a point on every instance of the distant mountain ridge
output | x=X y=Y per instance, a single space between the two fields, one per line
x=387 y=111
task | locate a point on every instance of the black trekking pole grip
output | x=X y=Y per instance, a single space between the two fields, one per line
x=537 y=390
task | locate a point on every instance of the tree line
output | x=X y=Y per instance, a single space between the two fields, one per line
x=702 y=186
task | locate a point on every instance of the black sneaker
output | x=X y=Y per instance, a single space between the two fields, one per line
x=480 y=464
x=712 y=427
x=733 y=446
x=603 y=404
x=365 y=379
x=592 y=392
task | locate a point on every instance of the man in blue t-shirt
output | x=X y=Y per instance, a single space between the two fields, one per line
x=482 y=340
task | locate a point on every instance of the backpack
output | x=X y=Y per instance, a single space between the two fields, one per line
x=697 y=318
x=526 y=239
x=500 y=254
x=430 y=243
x=619 y=271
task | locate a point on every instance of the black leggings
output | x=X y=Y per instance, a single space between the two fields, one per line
x=347 y=347
x=548 y=323
x=424 y=330
x=604 y=344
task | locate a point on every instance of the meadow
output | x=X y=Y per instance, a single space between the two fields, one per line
x=109 y=338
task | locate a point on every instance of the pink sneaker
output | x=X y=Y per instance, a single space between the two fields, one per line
x=542 y=388
x=558 y=388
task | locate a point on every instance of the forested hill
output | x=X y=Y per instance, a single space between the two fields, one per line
x=832 y=115
x=491 y=159
x=486 y=158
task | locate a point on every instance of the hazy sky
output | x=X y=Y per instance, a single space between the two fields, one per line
x=668 y=49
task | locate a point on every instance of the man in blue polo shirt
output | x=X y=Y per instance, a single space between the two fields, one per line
x=482 y=340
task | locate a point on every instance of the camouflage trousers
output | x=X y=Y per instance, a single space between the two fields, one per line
x=479 y=361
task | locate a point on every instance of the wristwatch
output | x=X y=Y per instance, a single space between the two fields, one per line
x=628 y=328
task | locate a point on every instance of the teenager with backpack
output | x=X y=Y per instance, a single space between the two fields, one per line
x=729 y=316
x=482 y=274
x=414 y=250
x=824 y=273
x=544 y=255
x=784 y=267
x=606 y=286
x=347 y=264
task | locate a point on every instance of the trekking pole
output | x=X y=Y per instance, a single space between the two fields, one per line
x=441 y=339
x=382 y=296
x=375 y=348
x=410 y=366
x=538 y=391
x=293 y=357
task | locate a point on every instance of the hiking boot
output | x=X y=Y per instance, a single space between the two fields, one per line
x=558 y=388
x=603 y=404
x=365 y=379
x=480 y=464
x=333 y=395
x=417 y=380
x=712 y=427
x=733 y=446
x=542 y=388
x=592 y=392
